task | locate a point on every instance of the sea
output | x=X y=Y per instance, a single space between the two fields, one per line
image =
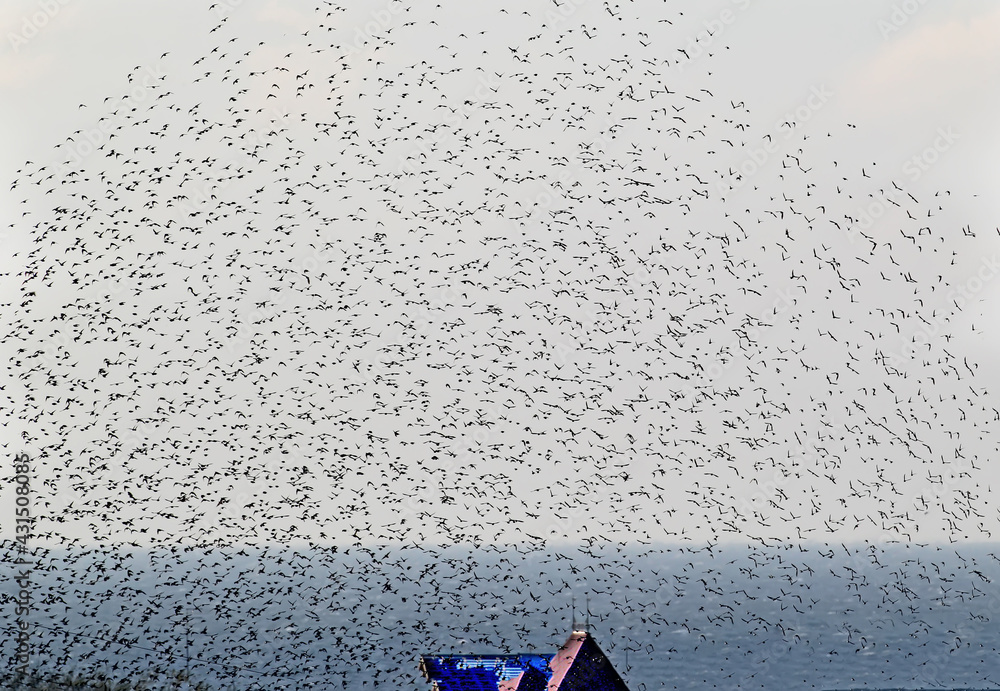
x=758 y=616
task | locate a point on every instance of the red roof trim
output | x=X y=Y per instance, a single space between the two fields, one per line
x=564 y=659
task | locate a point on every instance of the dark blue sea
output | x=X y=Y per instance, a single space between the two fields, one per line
x=678 y=617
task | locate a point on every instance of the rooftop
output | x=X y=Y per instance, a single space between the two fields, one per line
x=579 y=665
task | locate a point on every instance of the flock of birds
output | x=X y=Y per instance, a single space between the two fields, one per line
x=491 y=277
x=277 y=617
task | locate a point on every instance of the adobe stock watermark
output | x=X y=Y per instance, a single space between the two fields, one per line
x=369 y=371
x=757 y=157
x=914 y=168
x=809 y=452
x=242 y=332
x=23 y=564
x=866 y=216
x=32 y=24
x=699 y=44
x=383 y=19
x=901 y=14
x=942 y=484
x=562 y=349
x=94 y=138
x=763 y=660
x=556 y=189
x=223 y=8
x=464 y=450
x=207 y=191
x=486 y=85
x=714 y=370
x=565 y=10
x=961 y=296
x=570 y=517
x=380 y=21
x=920 y=163
x=558 y=351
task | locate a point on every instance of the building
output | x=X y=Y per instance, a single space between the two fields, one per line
x=579 y=665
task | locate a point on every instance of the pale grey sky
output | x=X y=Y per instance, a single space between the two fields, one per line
x=520 y=328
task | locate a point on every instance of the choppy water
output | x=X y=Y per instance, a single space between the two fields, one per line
x=737 y=617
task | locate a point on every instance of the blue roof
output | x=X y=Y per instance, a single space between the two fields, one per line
x=580 y=665
x=479 y=672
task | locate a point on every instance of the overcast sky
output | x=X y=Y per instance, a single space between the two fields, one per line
x=796 y=431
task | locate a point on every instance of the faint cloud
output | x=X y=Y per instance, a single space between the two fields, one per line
x=22 y=60
x=283 y=14
x=21 y=71
x=930 y=66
